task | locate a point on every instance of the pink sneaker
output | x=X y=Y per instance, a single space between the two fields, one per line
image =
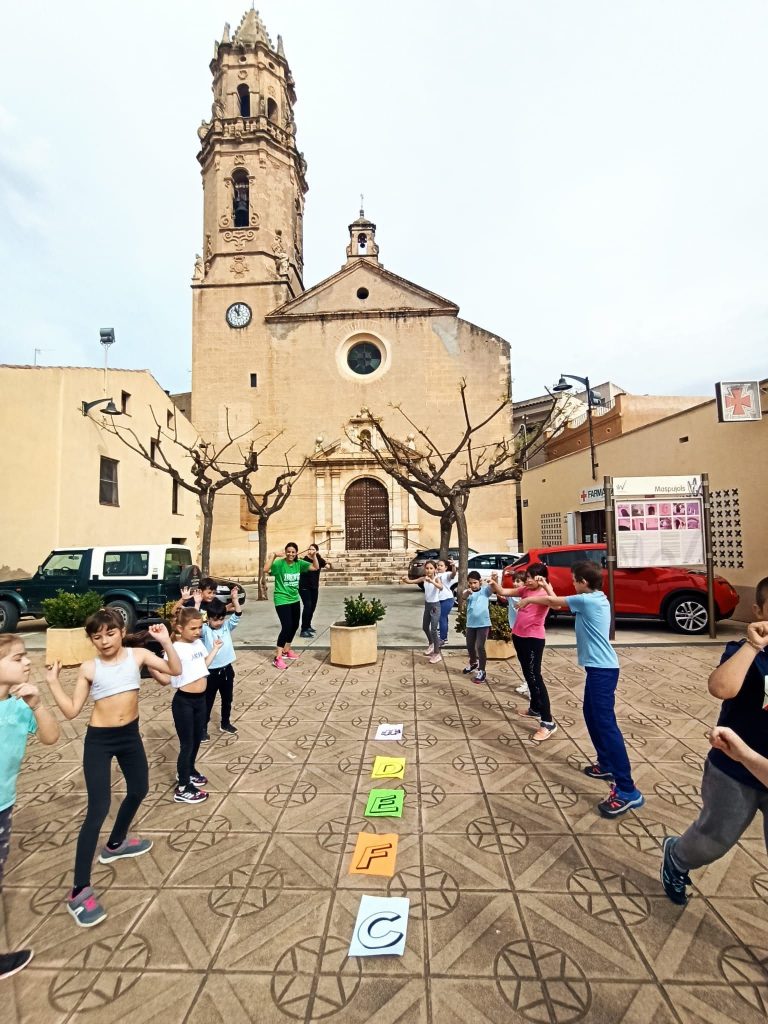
x=430 y=650
x=290 y=655
x=279 y=663
x=434 y=658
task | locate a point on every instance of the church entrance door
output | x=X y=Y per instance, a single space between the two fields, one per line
x=366 y=519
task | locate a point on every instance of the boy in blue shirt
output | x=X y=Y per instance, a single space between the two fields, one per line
x=597 y=657
x=221 y=674
x=734 y=787
x=478 y=625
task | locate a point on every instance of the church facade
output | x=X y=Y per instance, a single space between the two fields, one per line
x=305 y=364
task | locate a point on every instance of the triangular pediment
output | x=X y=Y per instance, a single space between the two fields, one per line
x=341 y=295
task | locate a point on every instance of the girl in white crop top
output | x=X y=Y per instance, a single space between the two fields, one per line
x=112 y=679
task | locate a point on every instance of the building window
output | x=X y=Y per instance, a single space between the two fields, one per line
x=364 y=358
x=175 y=497
x=154 y=448
x=551 y=529
x=124 y=400
x=108 y=482
x=244 y=99
x=240 y=201
x=254 y=380
x=362 y=293
x=272 y=110
x=169 y=418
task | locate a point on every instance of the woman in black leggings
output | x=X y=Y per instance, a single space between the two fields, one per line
x=112 y=680
x=287 y=571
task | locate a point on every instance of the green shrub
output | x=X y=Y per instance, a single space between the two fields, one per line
x=165 y=611
x=499 y=622
x=66 y=611
x=359 y=611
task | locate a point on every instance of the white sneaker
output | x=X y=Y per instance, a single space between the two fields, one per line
x=523 y=690
x=434 y=658
x=430 y=650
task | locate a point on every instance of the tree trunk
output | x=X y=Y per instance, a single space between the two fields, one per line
x=446 y=526
x=458 y=507
x=261 y=594
x=206 y=507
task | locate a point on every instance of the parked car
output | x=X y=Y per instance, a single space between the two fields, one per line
x=677 y=596
x=135 y=579
x=416 y=567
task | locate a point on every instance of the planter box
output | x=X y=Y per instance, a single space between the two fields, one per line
x=496 y=650
x=69 y=646
x=352 y=646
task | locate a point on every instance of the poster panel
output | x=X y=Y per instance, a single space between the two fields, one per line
x=662 y=531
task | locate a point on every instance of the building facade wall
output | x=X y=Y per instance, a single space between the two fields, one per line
x=51 y=465
x=688 y=443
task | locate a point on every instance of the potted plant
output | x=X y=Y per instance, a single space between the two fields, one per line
x=65 y=614
x=354 y=641
x=499 y=643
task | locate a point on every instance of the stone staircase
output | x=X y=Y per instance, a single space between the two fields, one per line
x=365 y=568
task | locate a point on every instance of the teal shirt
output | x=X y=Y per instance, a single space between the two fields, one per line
x=478 y=613
x=17 y=721
x=593 y=624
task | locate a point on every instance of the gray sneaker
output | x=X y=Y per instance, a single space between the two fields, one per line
x=86 y=909
x=128 y=848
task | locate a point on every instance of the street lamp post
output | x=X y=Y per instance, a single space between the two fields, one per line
x=593 y=401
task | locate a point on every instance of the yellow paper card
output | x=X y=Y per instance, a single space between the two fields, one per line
x=388 y=768
x=374 y=855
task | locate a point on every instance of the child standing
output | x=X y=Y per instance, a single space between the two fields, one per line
x=518 y=581
x=447 y=573
x=529 y=639
x=734 y=785
x=430 y=621
x=598 y=658
x=188 y=705
x=221 y=674
x=21 y=713
x=478 y=625
x=112 y=680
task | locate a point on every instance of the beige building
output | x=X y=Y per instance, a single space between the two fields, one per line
x=562 y=505
x=304 y=363
x=69 y=482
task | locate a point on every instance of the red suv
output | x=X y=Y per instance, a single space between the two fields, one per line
x=675 y=595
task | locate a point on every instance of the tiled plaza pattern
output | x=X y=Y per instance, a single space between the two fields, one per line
x=525 y=904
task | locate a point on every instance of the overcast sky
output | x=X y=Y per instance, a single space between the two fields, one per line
x=587 y=179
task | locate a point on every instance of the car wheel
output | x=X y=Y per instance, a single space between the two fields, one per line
x=127 y=611
x=9 y=616
x=687 y=614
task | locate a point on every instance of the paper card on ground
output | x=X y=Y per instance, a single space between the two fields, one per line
x=388 y=768
x=374 y=855
x=381 y=926
x=389 y=732
x=385 y=803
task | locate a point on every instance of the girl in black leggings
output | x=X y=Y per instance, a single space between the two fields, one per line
x=112 y=679
x=287 y=573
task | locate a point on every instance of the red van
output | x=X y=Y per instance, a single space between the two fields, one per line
x=677 y=596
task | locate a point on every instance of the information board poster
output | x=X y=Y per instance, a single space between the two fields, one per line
x=652 y=532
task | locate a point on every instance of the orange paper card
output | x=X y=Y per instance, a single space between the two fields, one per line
x=374 y=855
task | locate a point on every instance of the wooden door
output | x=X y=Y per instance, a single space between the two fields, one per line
x=366 y=517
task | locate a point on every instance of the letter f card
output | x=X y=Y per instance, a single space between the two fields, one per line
x=374 y=855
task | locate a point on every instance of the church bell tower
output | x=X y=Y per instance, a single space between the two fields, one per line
x=254 y=183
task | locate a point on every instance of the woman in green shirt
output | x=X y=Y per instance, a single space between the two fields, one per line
x=287 y=573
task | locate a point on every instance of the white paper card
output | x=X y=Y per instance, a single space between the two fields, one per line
x=381 y=926
x=389 y=732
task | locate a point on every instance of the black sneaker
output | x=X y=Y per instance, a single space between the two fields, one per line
x=189 y=796
x=228 y=728
x=12 y=963
x=469 y=669
x=205 y=737
x=672 y=878
x=594 y=771
x=307 y=634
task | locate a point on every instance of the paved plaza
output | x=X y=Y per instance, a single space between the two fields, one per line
x=525 y=904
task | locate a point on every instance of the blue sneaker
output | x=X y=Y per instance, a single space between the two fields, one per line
x=619 y=803
x=672 y=878
x=86 y=909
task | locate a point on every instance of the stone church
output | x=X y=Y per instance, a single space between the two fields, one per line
x=305 y=362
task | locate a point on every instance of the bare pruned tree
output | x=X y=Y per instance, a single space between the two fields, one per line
x=265 y=505
x=441 y=482
x=202 y=471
